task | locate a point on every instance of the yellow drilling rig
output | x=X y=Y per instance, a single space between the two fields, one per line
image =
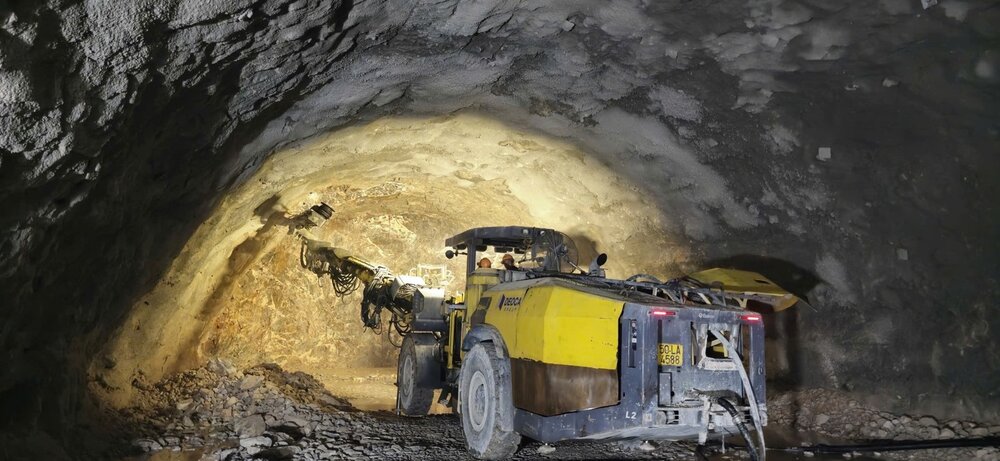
x=547 y=349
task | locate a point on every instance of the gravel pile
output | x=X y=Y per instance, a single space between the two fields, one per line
x=262 y=412
x=220 y=414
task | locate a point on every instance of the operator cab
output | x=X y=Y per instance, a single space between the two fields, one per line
x=534 y=249
x=536 y=252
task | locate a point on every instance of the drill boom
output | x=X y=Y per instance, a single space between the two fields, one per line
x=382 y=290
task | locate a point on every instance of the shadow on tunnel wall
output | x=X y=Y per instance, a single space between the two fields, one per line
x=586 y=247
x=240 y=261
x=160 y=163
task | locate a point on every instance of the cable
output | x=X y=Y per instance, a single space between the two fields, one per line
x=898 y=445
x=747 y=388
x=401 y=326
x=344 y=283
x=388 y=334
x=740 y=426
x=890 y=445
x=374 y=299
x=639 y=277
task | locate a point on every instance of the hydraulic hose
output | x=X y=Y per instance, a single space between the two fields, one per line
x=889 y=445
x=748 y=389
x=741 y=426
x=897 y=445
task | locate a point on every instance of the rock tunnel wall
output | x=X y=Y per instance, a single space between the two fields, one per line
x=846 y=151
x=400 y=186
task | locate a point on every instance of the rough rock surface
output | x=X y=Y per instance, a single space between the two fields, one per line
x=835 y=414
x=204 y=414
x=220 y=414
x=123 y=123
x=261 y=306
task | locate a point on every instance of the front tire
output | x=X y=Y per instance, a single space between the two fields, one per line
x=413 y=399
x=487 y=405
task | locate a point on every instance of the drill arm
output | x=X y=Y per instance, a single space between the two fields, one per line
x=382 y=290
x=323 y=258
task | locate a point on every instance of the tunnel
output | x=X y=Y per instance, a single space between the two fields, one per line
x=156 y=159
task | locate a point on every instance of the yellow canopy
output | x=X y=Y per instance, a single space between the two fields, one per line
x=737 y=281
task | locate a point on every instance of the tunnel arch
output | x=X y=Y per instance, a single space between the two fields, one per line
x=127 y=123
x=400 y=186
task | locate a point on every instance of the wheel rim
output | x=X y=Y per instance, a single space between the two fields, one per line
x=478 y=401
x=406 y=377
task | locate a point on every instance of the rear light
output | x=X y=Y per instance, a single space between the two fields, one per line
x=662 y=313
x=750 y=318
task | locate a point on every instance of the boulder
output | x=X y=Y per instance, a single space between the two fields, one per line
x=250 y=426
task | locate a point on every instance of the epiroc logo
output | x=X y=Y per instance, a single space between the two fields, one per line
x=509 y=302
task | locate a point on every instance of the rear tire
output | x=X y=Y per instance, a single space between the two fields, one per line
x=413 y=399
x=487 y=404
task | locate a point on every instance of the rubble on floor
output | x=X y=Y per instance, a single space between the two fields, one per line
x=217 y=413
x=833 y=414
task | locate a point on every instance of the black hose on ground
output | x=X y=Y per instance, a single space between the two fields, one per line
x=898 y=445
x=740 y=426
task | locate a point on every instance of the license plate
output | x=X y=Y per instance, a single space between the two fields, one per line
x=671 y=355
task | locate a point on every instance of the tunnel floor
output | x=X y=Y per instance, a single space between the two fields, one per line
x=217 y=412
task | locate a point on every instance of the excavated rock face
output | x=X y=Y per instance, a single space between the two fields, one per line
x=844 y=150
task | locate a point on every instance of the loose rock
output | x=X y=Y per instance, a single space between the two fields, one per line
x=250 y=426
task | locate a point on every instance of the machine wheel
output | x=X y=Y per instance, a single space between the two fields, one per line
x=413 y=399
x=487 y=404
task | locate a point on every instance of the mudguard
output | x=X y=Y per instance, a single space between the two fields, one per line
x=483 y=332
x=428 y=368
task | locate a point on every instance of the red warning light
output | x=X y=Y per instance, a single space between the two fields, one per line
x=750 y=318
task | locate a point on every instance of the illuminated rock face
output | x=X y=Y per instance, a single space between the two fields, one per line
x=847 y=151
x=400 y=187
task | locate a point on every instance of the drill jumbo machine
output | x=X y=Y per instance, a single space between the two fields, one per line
x=552 y=351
